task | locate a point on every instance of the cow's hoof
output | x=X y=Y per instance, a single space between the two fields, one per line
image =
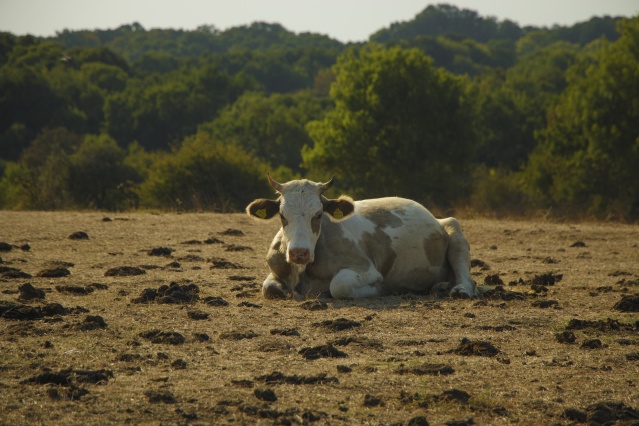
x=441 y=290
x=459 y=295
x=461 y=292
x=273 y=291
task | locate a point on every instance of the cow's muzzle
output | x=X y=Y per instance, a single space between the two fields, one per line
x=301 y=256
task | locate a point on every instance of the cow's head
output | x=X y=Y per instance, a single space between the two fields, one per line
x=300 y=207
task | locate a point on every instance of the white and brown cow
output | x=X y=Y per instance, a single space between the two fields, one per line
x=359 y=248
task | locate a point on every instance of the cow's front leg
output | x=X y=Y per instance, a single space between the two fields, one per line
x=348 y=283
x=272 y=288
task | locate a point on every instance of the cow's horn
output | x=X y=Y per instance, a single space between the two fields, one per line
x=326 y=186
x=276 y=185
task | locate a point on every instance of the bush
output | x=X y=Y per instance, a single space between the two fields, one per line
x=500 y=192
x=204 y=174
x=98 y=176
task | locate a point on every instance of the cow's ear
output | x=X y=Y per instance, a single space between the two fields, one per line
x=263 y=208
x=339 y=209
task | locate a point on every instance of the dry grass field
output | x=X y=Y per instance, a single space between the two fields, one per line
x=87 y=342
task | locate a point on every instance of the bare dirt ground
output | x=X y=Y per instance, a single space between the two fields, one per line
x=189 y=340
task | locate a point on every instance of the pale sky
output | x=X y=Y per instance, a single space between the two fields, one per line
x=345 y=20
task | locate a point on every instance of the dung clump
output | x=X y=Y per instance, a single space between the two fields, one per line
x=29 y=292
x=79 y=235
x=469 y=347
x=124 y=271
x=173 y=293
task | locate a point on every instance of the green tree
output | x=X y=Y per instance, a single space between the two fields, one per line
x=511 y=106
x=7 y=44
x=590 y=149
x=28 y=103
x=83 y=101
x=400 y=126
x=156 y=62
x=109 y=78
x=162 y=110
x=446 y=19
x=40 y=179
x=98 y=175
x=270 y=127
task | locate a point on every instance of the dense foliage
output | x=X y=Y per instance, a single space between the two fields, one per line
x=450 y=108
x=398 y=122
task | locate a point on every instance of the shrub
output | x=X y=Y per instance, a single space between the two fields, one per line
x=204 y=174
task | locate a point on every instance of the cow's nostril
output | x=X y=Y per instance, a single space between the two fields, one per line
x=299 y=255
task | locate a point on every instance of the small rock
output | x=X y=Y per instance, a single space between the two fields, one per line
x=196 y=314
x=232 y=232
x=166 y=337
x=372 y=401
x=235 y=335
x=92 y=322
x=592 y=344
x=454 y=395
x=124 y=271
x=475 y=347
x=79 y=235
x=338 y=324
x=344 y=369
x=323 y=351
x=215 y=301
x=493 y=280
x=213 y=241
x=544 y=303
x=54 y=273
x=160 y=251
x=201 y=337
x=566 y=337
x=418 y=421
x=628 y=303
x=157 y=396
x=265 y=395
x=574 y=414
x=179 y=364
x=285 y=332
x=77 y=290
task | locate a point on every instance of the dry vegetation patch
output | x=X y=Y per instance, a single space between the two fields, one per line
x=158 y=319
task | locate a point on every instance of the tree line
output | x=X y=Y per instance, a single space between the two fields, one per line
x=451 y=108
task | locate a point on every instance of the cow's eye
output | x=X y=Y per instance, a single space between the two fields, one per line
x=318 y=216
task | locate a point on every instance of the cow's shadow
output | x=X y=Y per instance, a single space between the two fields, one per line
x=397 y=301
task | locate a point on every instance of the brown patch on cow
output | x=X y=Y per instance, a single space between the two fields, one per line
x=435 y=248
x=333 y=252
x=316 y=224
x=383 y=216
x=378 y=247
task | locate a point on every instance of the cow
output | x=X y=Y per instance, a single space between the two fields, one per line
x=357 y=249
